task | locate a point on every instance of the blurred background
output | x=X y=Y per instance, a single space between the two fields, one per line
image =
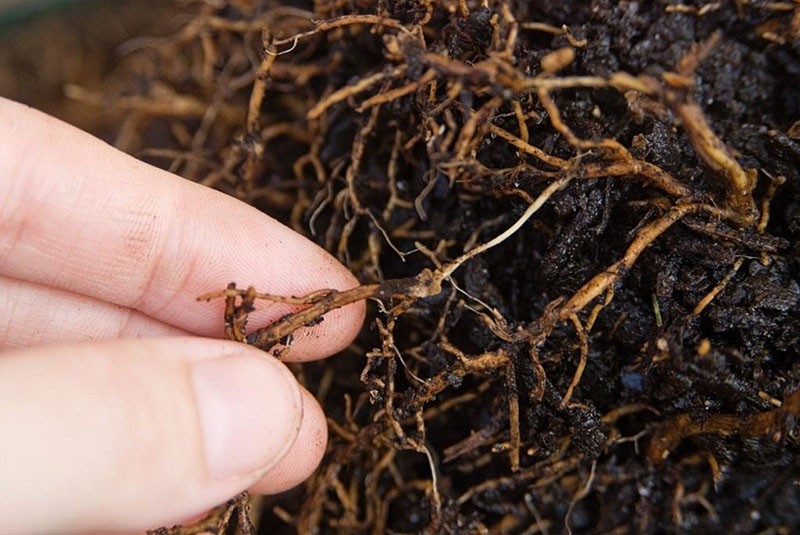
x=46 y=46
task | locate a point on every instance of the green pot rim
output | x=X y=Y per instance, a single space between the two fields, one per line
x=23 y=11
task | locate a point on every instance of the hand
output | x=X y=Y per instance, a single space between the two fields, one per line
x=118 y=411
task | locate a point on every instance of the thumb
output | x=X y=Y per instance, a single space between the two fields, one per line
x=130 y=435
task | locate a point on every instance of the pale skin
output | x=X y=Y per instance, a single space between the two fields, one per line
x=121 y=409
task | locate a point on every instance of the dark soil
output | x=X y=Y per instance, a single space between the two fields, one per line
x=667 y=262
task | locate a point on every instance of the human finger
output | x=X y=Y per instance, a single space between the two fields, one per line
x=303 y=458
x=36 y=315
x=130 y=435
x=85 y=218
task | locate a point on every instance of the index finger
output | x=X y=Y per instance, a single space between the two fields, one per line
x=78 y=215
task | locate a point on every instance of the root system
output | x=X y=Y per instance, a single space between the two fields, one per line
x=577 y=223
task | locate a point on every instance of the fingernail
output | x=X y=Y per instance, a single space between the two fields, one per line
x=250 y=410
